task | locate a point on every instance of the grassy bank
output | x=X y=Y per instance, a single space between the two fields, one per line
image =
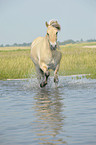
x=15 y=62
x=78 y=59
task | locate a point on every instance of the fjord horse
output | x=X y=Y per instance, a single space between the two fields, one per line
x=45 y=54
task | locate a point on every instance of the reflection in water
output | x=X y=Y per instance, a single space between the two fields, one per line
x=49 y=117
x=32 y=116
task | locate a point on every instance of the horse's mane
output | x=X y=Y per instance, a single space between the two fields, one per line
x=55 y=24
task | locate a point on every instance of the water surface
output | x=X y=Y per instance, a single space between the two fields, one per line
x=63 y=114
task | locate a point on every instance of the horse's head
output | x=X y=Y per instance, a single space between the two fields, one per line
x=52 y=31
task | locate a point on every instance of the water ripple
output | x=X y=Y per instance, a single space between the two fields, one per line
x=57 y=114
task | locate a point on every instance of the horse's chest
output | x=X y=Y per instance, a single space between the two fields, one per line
x=52 y=59
x=52 y=64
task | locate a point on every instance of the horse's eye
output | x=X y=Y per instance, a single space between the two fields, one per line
x=48 y=34
x=56 y=33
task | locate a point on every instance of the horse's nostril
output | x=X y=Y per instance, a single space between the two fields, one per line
x=51 y=46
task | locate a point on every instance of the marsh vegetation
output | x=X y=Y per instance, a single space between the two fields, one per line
x=15 y=62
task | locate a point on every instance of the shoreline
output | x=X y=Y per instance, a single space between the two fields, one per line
x=78 y=75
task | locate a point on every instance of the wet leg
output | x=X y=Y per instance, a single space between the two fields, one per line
x=56 y=80
x=44 y=68
x=44 y=83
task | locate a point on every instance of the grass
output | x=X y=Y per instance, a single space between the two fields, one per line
x=15 y=62
x=78 y=60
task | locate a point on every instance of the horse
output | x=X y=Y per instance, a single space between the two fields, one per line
x=45 y=54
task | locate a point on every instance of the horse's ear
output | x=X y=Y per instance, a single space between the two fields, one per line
x=47 y=24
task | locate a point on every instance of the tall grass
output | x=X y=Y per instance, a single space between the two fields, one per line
x=16 y=62
x=78 y=60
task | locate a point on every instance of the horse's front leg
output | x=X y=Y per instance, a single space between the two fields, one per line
x=56 y=80
x=44 y=68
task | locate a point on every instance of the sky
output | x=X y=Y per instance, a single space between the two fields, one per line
x=24 y=20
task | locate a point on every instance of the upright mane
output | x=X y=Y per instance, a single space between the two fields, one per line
x=55 y=24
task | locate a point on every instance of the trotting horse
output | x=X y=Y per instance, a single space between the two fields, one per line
x=45 y=55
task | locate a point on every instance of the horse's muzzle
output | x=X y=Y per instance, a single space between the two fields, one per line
x=53 y=47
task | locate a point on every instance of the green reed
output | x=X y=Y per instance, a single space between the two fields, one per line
x=15 y=62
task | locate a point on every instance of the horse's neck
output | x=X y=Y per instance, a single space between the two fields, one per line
x=47 y=43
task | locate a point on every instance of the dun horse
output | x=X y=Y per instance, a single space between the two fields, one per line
x=45 y=55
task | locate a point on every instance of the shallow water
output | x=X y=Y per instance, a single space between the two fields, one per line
x=63 y=114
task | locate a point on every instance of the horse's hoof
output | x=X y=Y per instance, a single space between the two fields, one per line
x=43 y=84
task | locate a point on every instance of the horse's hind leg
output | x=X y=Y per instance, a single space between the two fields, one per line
x=56 y=80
